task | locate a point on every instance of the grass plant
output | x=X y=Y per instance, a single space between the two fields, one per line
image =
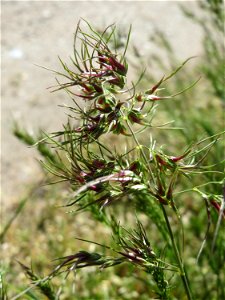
x=162 y=203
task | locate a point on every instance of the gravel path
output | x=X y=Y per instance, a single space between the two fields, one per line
x=35 y=32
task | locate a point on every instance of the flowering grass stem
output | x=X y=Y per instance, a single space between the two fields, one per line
x=144 y=177
x=183 y=273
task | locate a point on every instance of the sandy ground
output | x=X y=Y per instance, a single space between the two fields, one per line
x=35 y=32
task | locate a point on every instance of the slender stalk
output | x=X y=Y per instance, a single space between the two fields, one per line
x=176 y=251
x=179 y=260
x=18 y=210
x=141 y=150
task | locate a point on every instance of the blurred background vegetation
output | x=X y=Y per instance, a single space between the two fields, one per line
x=39 y=224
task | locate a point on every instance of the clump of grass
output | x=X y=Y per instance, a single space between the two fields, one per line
x=3 y=287
x=138 y=176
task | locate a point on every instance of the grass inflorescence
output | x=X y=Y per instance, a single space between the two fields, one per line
x=116 y=170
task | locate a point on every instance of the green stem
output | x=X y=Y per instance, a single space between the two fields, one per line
x=179 y=260
x=176 y=251
x=141 y=149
